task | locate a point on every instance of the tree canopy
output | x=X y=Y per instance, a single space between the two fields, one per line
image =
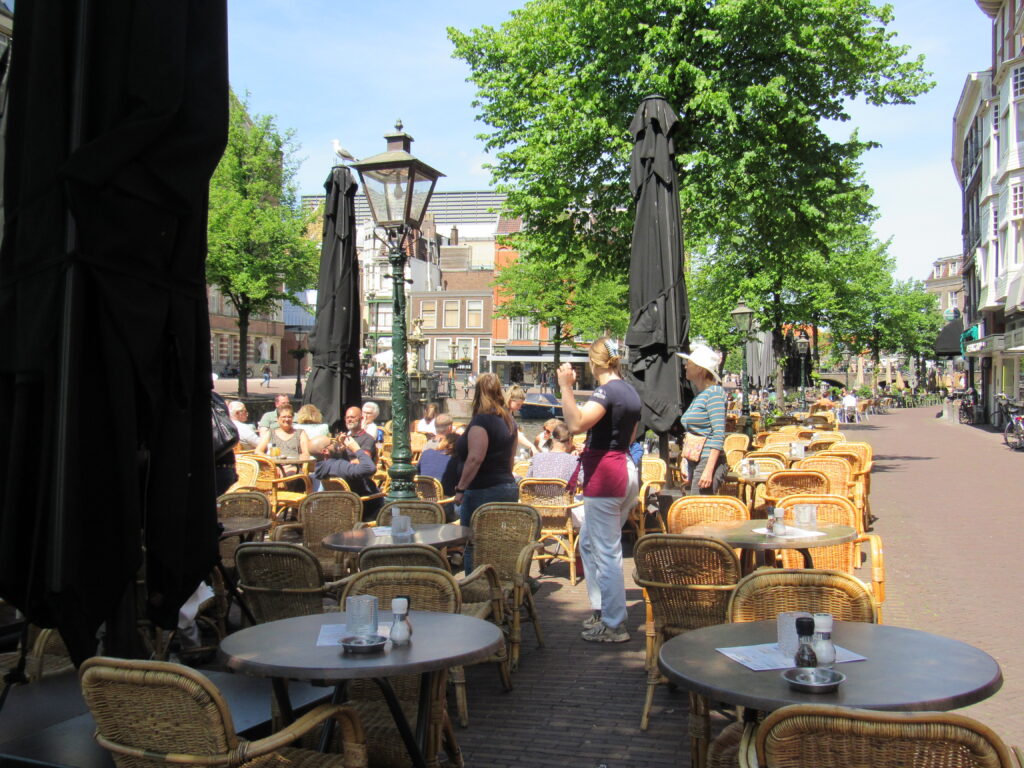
x=258 y=252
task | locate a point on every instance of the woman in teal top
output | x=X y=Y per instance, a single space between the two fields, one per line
x=705 y=418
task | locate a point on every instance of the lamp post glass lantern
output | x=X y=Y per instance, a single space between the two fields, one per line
x=398 y=188
x=742 y=318
x=803 y=345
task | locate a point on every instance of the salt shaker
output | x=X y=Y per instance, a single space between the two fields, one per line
x=823 y=646
x=780 y=520
x=401 y=629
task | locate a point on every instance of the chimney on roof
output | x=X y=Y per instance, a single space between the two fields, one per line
x=454 y=239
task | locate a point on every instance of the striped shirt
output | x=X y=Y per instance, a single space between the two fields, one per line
x=706 y=417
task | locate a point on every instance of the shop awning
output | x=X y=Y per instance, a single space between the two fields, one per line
x=947 y=343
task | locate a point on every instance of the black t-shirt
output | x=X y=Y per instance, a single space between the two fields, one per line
x=622 y=412
x=496 y=468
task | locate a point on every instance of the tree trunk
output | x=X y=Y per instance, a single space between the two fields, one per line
x=243 y=350
x=558 y=358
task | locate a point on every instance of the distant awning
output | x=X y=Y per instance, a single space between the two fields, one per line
x=947 y=343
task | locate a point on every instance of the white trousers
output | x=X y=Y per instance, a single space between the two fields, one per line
x=601 y=549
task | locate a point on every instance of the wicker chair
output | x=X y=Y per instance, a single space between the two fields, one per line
x=505 y=536
x=430 y=489
x=281 y=580
x=646 y=515
x=847 y=557
x=520 y=468
x=653 y=468
x=825 y=736
x=334 y=484
x=778 y=453
x=428 y=589
x=241 y=504
x=154 y=713
x=767 y=592
x=779 y=438
x=46 y=656
x=736 y=441
x=283 y=492
x=417 y=442
x=490 y=609
x=694 y=510
x=687 y=582
x=321 y=514
x=552 y=500
x=419 y=512
x=790 y=481
x=839 y=474
x=248 y=472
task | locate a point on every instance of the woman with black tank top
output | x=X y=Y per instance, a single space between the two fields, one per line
x=486 y=451
x=610 y=485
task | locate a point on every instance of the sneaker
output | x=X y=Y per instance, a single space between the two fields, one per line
x=602 y=633
x=592 y=620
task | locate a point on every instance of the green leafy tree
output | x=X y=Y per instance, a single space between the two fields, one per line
x=258 y=251
x=570 y=301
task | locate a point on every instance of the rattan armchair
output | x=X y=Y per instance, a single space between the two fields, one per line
x=430 y=489
x=694 y=510
x=553 y=501
x=767 y=592
x=789 y=481
x=283 y=492
x=153 y=713
x=240 y=504
x=46 y=655
x=521 y=468
x=827 y=736
x=687 y=582
x=428 y=589
x=505 y=537
x=419 y=512
x=248 y=472
x=490 y=608
x=321 y=514
x=653 y=468
x=736 y=441
x=281 y=580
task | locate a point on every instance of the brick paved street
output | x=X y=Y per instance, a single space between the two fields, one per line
x=946 y=497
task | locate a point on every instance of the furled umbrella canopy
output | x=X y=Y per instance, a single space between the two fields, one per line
x=659 y=312
x=761 y=359
x=117 y=119
x=334 y=381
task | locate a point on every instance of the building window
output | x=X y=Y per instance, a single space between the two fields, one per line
x=384 y=312
x=1017 y=200
x=995 y=220
x=451 y=314
x=465 y=350
x=522 y=329
x=428 y=312
x=1018 y=82
x=474 y=313
x=442 y=349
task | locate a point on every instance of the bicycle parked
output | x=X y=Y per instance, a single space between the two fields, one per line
x=1013 y=415
x=968 y=404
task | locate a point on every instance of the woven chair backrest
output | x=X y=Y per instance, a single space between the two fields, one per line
x=550 y=497
x=419 y=512
x=243 y=504
x=864 y=450
x=428 y=589
x=850 y=457
x=428 y=488
x=500 y=532
x=267 y=472
x=688 y=579
x=767 y=592
x=736 y=441
x=789 y=429
x=334 y=484
x=694 y=510
x=520 y=468
x=779 y=438
x=280 y=580
x=768 y=452
x=733 y=456
x=421 y=555
x=833 y=433
x=652 y=468
x=789 y=481
x=831 y=510
x=829 y=736
x=806 y=434
x=417 y=441
x=157 y=706
x=838 y=471
x=248 y=470
x=327 y=512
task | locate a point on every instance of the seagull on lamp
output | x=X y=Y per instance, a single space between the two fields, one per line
x=343 y=154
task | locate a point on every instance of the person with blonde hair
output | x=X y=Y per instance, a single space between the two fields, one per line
x=704 y=422
x=486 y=451
x=610 y=485
x=311 y=421
x=544 y=441
x=515 y=399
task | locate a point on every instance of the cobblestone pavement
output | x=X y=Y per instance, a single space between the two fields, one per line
x=947 y=500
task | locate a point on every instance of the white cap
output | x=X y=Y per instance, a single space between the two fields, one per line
x=823 y=622
x=706 y=358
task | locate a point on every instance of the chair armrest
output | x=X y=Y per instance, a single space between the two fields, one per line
x=874 y=542
x=494 y=587
x=372 y=496
x=285 y=480
x=335 y=588
x=346 y=719
x=524 y=561
x=275 y=533
x=245 y=488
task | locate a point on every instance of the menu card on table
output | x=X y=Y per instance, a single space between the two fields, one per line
x=792 y=532
x=768 y=656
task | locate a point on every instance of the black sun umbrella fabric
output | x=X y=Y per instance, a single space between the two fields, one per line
x=659 y=312
x=334 y=381
x=117 y=118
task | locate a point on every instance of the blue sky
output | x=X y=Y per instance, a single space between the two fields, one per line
x=327 y=70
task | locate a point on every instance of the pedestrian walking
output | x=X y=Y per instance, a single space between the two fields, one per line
x=266 y=376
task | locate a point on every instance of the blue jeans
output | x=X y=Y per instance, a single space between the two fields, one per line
x=472 y=499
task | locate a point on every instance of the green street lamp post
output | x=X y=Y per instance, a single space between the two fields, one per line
x=803 y=345
x=742 y=318
x=398 y=188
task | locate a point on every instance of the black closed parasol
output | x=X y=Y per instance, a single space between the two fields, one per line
x=334 y=381
x=659 y=312
x=117 y=119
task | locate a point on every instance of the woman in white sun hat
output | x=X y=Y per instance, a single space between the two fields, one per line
x=704 y=422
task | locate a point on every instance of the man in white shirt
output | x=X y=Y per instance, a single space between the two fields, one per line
x=247 y=436
x=849 y=406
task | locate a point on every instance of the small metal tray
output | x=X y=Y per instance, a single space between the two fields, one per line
x=369 y=644
x=813 y=679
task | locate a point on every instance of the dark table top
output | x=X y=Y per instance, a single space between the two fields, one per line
x=288 y=648
x=905 y=670
x=435 y=535
x=243 y=526
x=740 y=534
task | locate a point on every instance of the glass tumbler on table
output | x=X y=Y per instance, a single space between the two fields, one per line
x=361 y=615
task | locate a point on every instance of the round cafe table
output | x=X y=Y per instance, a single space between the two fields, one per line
x=243 y=527
x=438 y=536
x=739 y=534
x=904 y=670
